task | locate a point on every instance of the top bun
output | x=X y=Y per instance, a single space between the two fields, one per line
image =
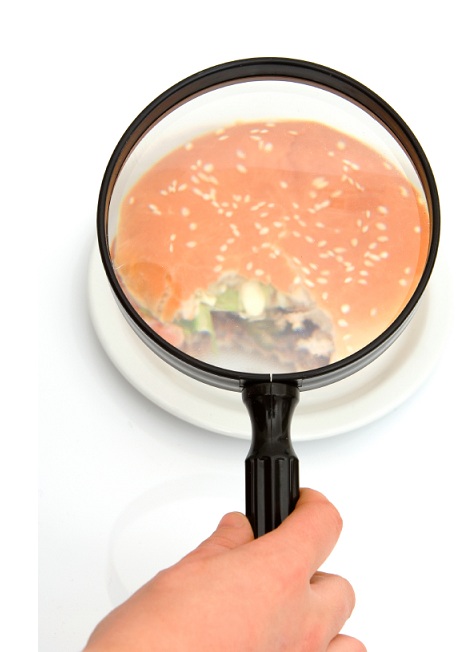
x=296 y=205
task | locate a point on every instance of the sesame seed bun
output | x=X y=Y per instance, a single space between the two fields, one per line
x=295 y=205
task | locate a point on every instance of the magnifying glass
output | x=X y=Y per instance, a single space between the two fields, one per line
x=268 y=226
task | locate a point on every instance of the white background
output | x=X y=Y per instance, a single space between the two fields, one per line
x=126 y=488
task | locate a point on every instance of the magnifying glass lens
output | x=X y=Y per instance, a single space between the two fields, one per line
x=269 y=227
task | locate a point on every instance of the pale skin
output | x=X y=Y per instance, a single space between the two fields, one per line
x=234 y=593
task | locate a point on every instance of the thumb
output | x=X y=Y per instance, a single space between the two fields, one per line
x=233 y=530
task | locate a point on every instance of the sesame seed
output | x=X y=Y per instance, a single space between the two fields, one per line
x=309 y=283
x=309 y=239
x=240 y=153
x=352 y=165
x=229 y=213
x=283 y=184
x=292 y=132
x=341 y=145
x=324 y=296
x=278 y=225
x=257 y=206
x=220 y=258
x=404 y=192
x=224 y=137
x=383 y=210
x=349 y=279
x=387 y=165
x=403 y=282
x=343 y=323
x=192 y=226
x=322 y=243
x=362 y=281
x=345 y=308
x=268 y=147
x=235 y=230
x=131 y=200
x=189 y=146
x=373 y=312
x=191 y=244
x=319 y=183
x=354 y=242
x=153 y=208
x=208 y=167
x=182 y=187
x=407 y=270
x=264 y=231
x=381 y=226
x=249 y=266
x=296 y=260
x=417 y=229
x=259 y=272
x=241 y=168
x=322 y=280
x=185 y=212
x=173 y=237
x=218 y=268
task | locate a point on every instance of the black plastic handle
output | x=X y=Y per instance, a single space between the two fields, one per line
x=272 y=478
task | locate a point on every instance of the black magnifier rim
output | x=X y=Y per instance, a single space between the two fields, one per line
x=267 y=68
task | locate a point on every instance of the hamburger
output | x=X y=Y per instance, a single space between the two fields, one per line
x=271 y=246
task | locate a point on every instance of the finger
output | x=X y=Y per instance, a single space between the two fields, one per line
x=342 y=643
x=308 y=534
x=233 y=531
x=334 y=599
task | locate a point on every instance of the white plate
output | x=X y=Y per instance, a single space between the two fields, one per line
x=343 y=406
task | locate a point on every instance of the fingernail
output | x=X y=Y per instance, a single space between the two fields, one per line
x=233 y=519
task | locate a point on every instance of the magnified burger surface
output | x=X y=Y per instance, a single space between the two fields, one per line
x=283 y=245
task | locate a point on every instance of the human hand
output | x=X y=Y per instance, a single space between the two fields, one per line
x=235 y=593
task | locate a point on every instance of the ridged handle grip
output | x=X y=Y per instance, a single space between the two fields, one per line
x=272 y=476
